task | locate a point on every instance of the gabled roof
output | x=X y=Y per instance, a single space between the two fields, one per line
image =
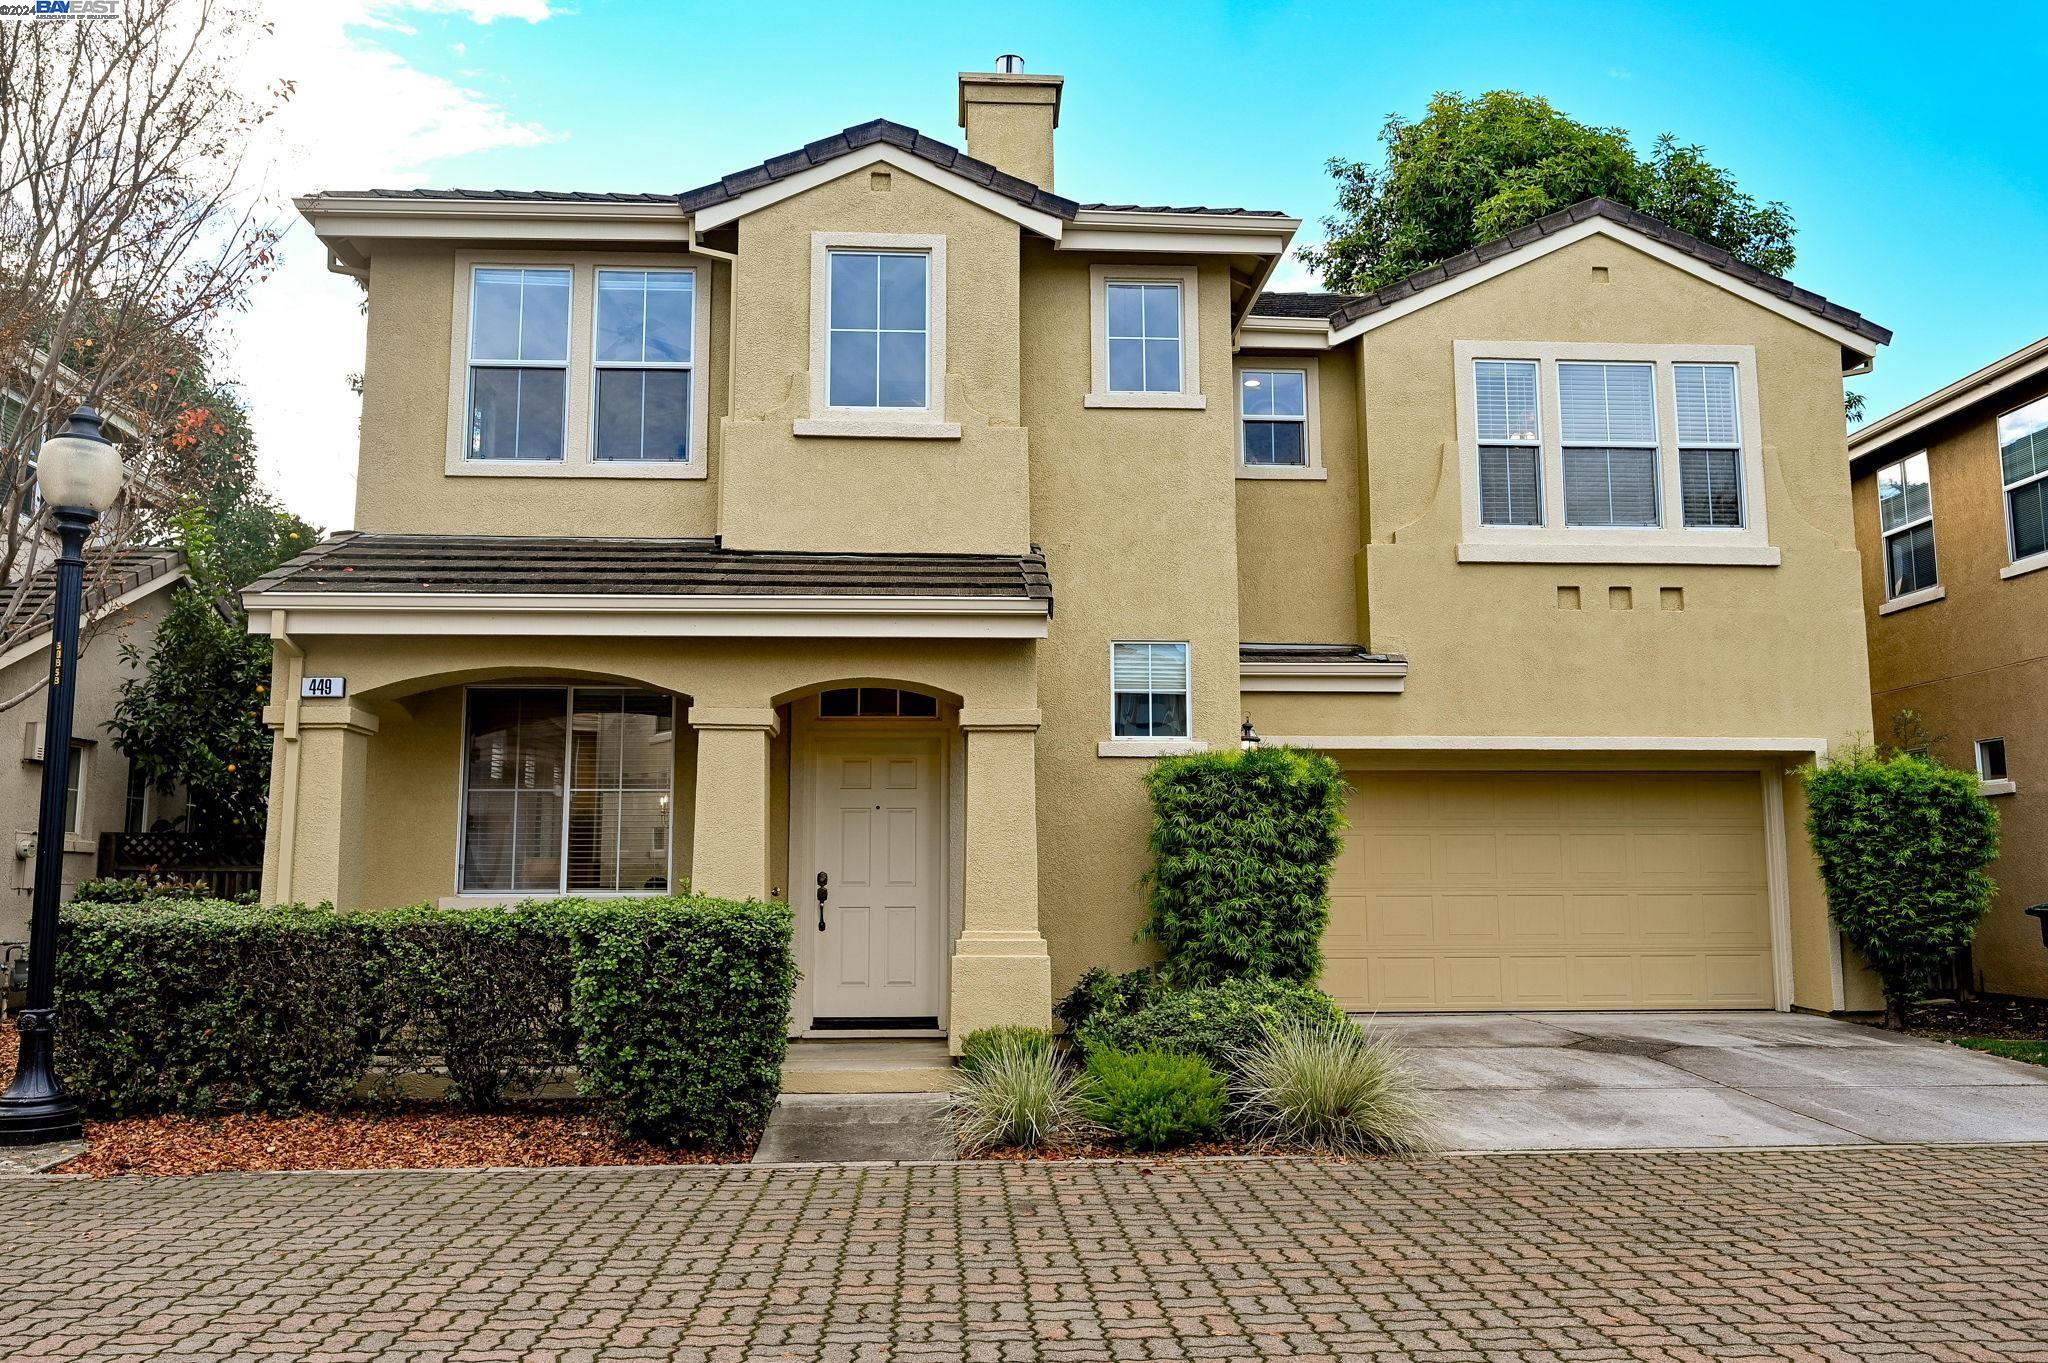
x=1564 y=221
x=126 y=575
x=878 y=132
x=2027 y=365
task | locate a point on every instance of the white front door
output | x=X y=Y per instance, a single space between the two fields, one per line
x=875 y=835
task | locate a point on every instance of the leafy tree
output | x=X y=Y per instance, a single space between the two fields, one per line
x=1472 y=170
x=1903 y=842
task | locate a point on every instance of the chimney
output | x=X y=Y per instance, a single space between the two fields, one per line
x=1010 y=116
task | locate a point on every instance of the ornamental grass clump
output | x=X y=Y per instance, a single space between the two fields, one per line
x=1330 y=1085
x=981 y=1042
x=1019 y=1094
x=1153 y=1100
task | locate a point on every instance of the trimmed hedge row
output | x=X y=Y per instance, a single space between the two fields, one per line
x=674 y=1011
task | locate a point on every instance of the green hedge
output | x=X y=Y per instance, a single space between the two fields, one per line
x=675 y=1010
x=1243 y=843
x=1216 y=1022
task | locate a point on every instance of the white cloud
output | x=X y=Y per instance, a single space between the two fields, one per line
x=360 y=117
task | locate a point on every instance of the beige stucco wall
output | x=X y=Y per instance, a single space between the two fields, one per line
x=1132 y=507
x=1298 y=539
x=100 y=673
x=402 y=481
x=784 y=491
x=1972 y=666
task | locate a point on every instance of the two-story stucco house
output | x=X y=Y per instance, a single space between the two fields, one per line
x=853 y=530
x=1952 y=512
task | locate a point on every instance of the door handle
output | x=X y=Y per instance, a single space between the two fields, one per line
x=821 y=900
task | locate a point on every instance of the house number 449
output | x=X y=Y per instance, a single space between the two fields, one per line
x=323 y=688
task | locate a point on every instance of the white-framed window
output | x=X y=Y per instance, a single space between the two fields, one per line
x=1144 y=336
x=1590 y=452
x=643 y=352
x=518 y=364
x=1608 y=416
x=2023 y=466
x=1149 y=690
x=565 y=790
x=1279 y=424
x=879 y=324
x=1905 y=514
x=1509 y=419
x=582 y=365
x=1709 y=445
x=74 y=787
x=1991 y=759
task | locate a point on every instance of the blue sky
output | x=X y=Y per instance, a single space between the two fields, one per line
x=1907 y=148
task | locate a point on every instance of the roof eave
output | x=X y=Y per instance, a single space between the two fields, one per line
x=1983 y=385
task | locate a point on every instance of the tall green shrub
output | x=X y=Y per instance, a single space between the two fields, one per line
x=681 y=1010
x=1242 y=846
x=1902 y=843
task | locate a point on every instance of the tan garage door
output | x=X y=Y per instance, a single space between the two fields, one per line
x=1527 y=890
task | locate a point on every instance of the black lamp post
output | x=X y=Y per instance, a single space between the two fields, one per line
x=79 y=474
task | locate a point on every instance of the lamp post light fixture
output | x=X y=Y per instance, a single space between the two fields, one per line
x=1248 y=737
x=79 y=473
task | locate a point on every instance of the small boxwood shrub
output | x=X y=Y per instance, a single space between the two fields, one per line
x=1153 y=1100
x=1215 y=1023
x=198 y=1005
x=980 y=1044
x=1902 y=843
x=1243 y=843
x=1098 y=991
x=136 y=889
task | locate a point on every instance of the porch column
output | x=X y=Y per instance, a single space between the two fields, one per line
x=1001 y=970
x=730 y=837
x=313 y=848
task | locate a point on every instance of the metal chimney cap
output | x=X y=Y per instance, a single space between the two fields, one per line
x=1010 y=64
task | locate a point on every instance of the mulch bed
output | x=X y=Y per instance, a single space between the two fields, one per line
x=2009 y=1019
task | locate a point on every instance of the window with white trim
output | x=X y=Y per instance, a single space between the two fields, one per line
x=1509 y=421
x=2023 y=465
x=518 y=364
x=1149 y=690
x=566 y=789
x=643 y=354
x=1144 y=333
x=1607 y=415
x=1273 y=417
x=1905 y=513
x=1991 y=759
x=1709 y=445
x=879 y=329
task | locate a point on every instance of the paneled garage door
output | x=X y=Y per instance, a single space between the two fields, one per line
x=1528 y=890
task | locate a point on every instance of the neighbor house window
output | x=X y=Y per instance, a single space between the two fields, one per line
x=1144 y=337
x=1273 y=416
x=2023 y=459
x=643 y=355
x=1905 y=510
x=1150 y=685
x=518 y=364
x=1607 y=415
x=880 y=329
x=1709 y=446
x=567 y=790
x=1510 y=426
x=74 y=787
x=1991 y=759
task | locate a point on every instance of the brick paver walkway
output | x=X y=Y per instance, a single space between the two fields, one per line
x=1848 y=1254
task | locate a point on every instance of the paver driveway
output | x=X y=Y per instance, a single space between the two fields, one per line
x=1821 y=1254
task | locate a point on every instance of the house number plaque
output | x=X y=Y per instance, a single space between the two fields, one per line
x=323 y=688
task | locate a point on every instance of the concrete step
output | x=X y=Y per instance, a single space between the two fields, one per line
x=896 y=1066
x=822 y=1128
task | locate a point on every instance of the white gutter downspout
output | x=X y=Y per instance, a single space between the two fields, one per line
x=288 y=731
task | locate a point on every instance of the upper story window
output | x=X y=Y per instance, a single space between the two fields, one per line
x=1905 y=513
x=518 y=364
x=643 y=352
x=2023 y=462
x=1584 y=452
x=1273 y=414
x=880 y=328
x=1149 y=690
x=1144 y=323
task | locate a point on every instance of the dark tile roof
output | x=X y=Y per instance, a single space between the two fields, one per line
x=106 y=579
x=1650 y=227
x=567 y=196
x=1195 y=208
x=351 y=562
x=1300 y=304
x=1312 y=653
x=880 y=130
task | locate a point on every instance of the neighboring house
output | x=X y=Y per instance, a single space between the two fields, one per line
x=1952 y=517
x=125 y=600
x=853 y=529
